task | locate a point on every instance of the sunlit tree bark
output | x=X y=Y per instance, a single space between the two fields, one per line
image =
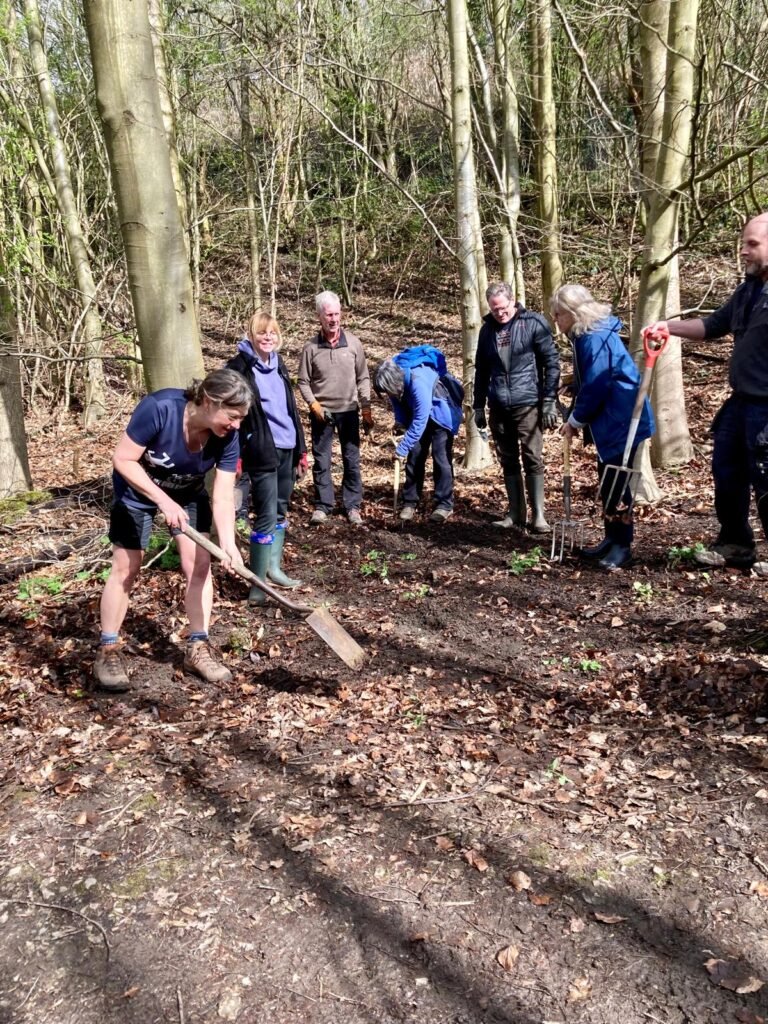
x=153 y=235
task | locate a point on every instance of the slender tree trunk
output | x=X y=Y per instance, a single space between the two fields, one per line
x=247 y=142
x=666 y=165
x=157 y=30
x=153 y=235
x=14 y=462
x=511 y=263
x=94 y=382
x=467 y=218
x=545 y=128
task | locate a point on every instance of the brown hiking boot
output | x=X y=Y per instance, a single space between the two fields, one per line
x=198 y=659
x=109 y=669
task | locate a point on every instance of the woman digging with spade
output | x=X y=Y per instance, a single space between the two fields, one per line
x=605 y=386
x=172 y=440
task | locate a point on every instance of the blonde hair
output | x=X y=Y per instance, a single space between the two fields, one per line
x=261 y=322
x=579 y=302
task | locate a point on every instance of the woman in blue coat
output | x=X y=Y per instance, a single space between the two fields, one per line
x=605 y=383
x=421 y=405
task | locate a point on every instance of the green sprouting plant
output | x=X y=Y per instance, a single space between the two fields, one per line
x=521 y=562
x=555 y=772
x=643 y=591
x=684 y=555
x=418 y=593
x=408 y=557
x=375 y=564
x=161 y=554
x=415 y=717
x=590 y=665
x=39 y=586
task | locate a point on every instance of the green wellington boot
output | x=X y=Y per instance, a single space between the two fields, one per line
x=513 y=484
x=261 y=555
x=275 y=570
x=534 y=484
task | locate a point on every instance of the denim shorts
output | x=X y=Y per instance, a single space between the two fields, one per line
x=130 y=527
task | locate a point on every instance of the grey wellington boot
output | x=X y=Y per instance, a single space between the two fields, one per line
x=275 y=571
x=513 y=484
x=260 y=559
x=535 y=487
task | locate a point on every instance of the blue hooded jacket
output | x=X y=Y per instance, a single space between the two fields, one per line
x=422 y=402
x=606 y=381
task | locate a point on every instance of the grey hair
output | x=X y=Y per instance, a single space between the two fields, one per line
x=389 y=379
x=499 y=288
x=222 y=387
x=579 y=302
x=326 y=299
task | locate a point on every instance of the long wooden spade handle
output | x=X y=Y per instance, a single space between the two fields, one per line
x=216 y=551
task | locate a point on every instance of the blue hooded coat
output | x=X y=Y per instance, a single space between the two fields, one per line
x=606 y=381
x=421 y=402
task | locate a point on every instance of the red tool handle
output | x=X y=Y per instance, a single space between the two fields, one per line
x=654 y=342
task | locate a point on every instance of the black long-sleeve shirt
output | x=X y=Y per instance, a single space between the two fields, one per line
x=745 y=315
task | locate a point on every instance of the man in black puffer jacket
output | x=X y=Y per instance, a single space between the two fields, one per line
x=517 y=372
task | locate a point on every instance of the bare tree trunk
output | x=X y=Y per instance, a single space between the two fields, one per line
x=94 y=384
x=467 y=216
x=157 y=29
x=153 y=235
x=14 y=462
x=666 y=163
x=545 y=128
x=509 y=151
x=247 y=142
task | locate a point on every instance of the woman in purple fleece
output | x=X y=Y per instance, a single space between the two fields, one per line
x=272 y=447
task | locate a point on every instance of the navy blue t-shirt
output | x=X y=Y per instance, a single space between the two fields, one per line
x=157 y=425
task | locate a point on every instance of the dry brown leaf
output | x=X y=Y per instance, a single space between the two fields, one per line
x=576 y=925
x=539 y=899
x=661 y=773
x=609 y=918
x=476 y=860
x=519 y=880
x=131 y=992
x=579 y=990
x=445 y=844
x=616 y=622
x=507 y=957
x=420 y=937
x=747 y=1017
x=732 y=975
x=759 y=888
x=274 y=651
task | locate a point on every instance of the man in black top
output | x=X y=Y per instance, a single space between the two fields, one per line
x=740 y=428
x=517 y=372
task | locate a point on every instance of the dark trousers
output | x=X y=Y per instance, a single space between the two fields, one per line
x=516 y=432
x=739 y=463
x=271 y=491
x=440 y=441
x=347 y=425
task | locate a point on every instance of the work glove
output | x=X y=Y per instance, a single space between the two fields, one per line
x=480 y=421
x=303 y=466
x=366 y=415
x=549 y=413
x=318 y=412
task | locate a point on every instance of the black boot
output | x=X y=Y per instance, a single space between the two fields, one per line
x=621 y=532
x=600 y=550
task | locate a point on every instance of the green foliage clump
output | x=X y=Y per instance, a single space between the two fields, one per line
x=520 y=562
